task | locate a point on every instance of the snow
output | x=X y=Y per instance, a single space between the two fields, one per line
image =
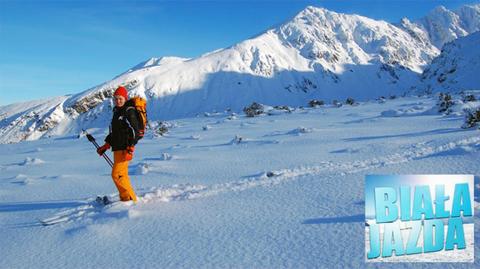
x=456 y=68
x=222 y=190
x=469 y=17
x=443 y=25
x=22 y=121
x=317 y=54
x=288 y=194
x=159 y=61
x=334 y=39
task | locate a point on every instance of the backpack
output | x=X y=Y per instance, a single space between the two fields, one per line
x=140 y=105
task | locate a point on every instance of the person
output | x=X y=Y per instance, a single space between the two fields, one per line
x=122 y=138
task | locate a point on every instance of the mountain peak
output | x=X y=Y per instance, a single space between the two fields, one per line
x=312 y=12
x=404 y=20
x=155 y=61
x=443 y=25
x=440 y=9
x=336 y=39
x=442 y=14
x=314 y=9
x=470 y=6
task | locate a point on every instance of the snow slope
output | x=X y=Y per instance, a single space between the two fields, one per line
x=318 y=54
x=456 y=68
x=289 y=195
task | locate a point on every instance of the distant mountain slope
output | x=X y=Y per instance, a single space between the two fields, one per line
x=456 y=68
x=444 y=25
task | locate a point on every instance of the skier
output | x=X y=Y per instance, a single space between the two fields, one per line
x=124 y=134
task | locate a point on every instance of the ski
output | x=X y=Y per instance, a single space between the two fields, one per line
x=103 y=200
x=92 y=206
x=53 y=220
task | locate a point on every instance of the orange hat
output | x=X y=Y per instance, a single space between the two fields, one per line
x=122 y=92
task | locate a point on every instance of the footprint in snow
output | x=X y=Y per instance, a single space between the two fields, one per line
x=239 y=140
x=31 y=161
x=346 y=150
x=297 y=131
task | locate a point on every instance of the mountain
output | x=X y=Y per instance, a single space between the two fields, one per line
x=442 y=25
x=317 y=54
x=456 y=68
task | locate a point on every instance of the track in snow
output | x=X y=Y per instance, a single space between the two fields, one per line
x=91 y=211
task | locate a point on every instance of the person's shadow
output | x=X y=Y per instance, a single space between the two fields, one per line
x=33 y=206
x=341 y=219
x=38 y=205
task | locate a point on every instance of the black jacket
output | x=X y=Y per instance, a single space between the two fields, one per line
x=124 y=128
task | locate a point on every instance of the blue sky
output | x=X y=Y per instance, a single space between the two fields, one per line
x=52 y=48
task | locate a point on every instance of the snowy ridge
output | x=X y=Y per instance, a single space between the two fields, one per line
x=334 y=39
x=318 y=54
x=30 y=120
x=159 y=61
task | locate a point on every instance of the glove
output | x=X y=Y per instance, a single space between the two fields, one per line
x=129 y=153
x=101 y=150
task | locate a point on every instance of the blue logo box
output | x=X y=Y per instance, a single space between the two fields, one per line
x=419 y=218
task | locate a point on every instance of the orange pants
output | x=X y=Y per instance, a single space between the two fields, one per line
x=120 y=176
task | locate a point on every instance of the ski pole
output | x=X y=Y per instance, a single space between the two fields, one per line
x=92 y=139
